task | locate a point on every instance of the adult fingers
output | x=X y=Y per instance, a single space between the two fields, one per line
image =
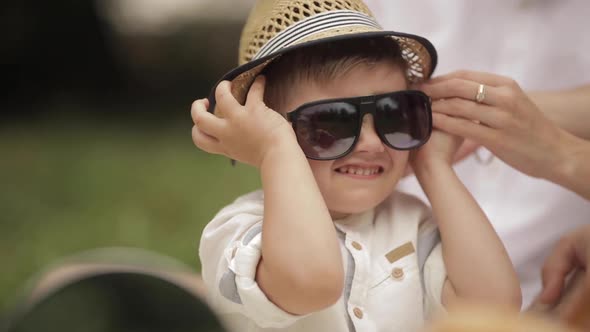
x=205 y=142
x=256 y=93
x=460 y=88
x=575 y=311
x=476 y=76
x=465 y=128
x=490 y=116
x=226 y=102
x=555 y=269
x=207 y=123
x=553 y=286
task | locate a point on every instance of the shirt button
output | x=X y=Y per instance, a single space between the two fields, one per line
x=397 y=273
x=357 y=245
x=358 y=313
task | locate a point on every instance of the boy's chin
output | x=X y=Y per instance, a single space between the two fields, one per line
x=343 y=208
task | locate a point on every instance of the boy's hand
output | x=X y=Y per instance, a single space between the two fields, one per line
x=439 y=150
x=244 y=133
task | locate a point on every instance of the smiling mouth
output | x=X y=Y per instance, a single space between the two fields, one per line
x=360 y=171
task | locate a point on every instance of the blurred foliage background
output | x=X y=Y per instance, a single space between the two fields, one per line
x=95 y=146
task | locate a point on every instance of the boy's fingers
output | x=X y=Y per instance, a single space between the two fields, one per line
x=207 y=123
x=205 y=142
x=226 y=103
x=197 y=105
x=256 y=93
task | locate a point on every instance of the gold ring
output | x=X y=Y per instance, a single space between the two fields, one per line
x=481 y=93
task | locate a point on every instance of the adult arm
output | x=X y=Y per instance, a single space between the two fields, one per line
x=570 y=108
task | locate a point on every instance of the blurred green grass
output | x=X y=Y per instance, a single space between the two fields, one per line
x=69 y=186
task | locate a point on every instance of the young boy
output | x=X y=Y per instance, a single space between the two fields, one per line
x=328 y=245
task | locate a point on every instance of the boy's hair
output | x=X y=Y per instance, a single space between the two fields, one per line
x=324 y=63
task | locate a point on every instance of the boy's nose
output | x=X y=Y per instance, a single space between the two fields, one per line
x=369 y=141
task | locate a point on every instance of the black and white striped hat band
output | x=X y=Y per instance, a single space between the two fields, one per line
x=313 y=25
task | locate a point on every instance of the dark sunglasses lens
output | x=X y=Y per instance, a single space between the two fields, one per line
x=404 y=120
x=326 y=131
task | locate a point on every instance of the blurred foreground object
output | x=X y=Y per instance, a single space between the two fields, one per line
x=478 y=319
x=571 y=313
x=100 y=291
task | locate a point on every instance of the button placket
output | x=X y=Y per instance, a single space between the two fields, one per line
x=359 y=289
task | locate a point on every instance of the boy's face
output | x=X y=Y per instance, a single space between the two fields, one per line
x=366 y=176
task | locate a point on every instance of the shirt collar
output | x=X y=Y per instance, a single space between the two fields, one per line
x=355 y=222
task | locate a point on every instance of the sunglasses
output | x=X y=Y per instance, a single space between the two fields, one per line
x=329 y=129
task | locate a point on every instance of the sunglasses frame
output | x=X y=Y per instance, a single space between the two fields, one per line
x=366 y=105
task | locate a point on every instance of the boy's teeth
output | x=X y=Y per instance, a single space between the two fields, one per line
x=358 y=170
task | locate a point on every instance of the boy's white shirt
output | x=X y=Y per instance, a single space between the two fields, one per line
x=377 y=296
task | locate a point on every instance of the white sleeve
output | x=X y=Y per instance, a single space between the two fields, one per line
x=255 y=303
x=432 y=267
x=230 y=250
x=435 y=275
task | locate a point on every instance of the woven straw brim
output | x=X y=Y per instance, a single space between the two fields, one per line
x=417 y=51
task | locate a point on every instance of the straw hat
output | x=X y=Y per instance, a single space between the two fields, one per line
x=275 y=27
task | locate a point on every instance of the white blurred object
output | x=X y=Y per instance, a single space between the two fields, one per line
x=163 y=17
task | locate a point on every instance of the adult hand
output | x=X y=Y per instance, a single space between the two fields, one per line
x=506 y=121
x=466 y=149
x=244 y=133
x=572 y=253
